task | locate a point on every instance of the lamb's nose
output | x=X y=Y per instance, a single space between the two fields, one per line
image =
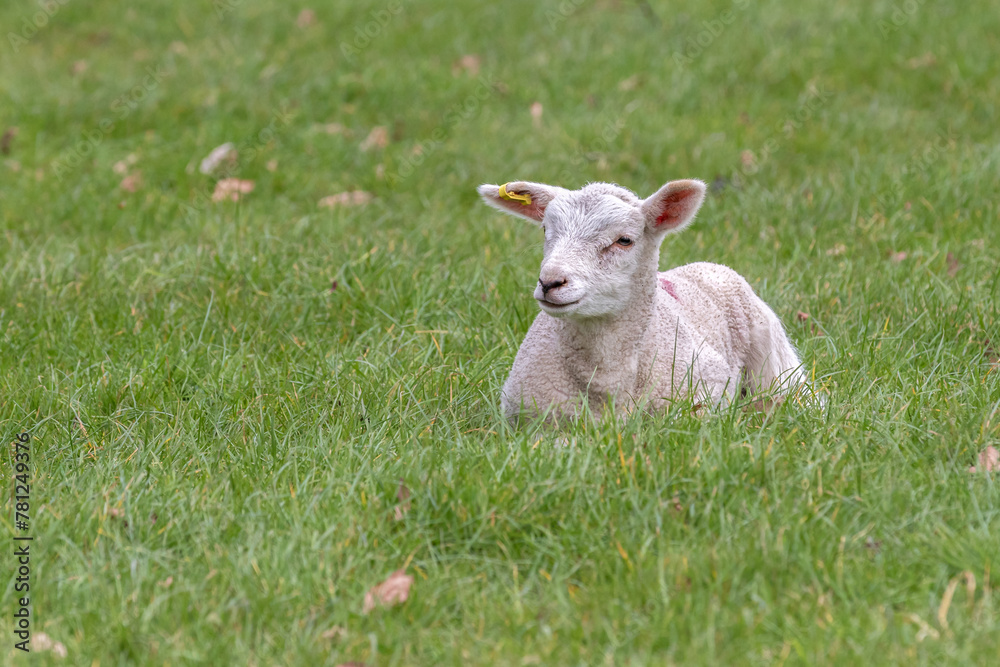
x=551 y=284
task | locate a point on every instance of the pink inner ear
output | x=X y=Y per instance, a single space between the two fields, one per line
x=534 y=210
x=674 y=207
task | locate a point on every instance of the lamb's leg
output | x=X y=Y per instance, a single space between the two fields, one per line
x=772 y=364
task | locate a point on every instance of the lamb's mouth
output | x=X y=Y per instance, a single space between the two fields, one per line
x=556 y=306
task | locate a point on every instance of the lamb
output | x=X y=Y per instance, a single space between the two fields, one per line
x=613 y=331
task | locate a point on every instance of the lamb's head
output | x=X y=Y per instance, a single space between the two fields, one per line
x=600 y=241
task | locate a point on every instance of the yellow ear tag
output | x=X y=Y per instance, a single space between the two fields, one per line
x=525 y=199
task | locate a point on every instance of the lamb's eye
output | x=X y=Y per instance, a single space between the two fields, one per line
x=624 y=242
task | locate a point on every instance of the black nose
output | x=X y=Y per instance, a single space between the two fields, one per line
x=551 y=285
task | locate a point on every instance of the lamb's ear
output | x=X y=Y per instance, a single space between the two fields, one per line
x=673 y=206
x=520 y=198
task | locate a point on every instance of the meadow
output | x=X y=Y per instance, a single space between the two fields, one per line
x=246 y=413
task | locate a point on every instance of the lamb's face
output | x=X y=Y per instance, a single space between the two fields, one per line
x=595 y=245
x=598 y=240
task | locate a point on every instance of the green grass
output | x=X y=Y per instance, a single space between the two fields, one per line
x=219 y=436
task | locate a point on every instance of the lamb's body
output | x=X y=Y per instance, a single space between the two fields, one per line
x=705 y=334
x=614 y=330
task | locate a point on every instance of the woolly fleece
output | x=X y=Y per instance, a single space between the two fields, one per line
x=614 y=330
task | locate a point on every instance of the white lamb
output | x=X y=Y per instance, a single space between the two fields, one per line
x=615 y=331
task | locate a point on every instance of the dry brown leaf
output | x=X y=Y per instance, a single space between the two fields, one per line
x=7 y=139
x=306 y=18
x=394 y=590
x=469 y=63
x=350 y=198
x=121 y=167
x=132 y=182
x=336 y=632
x=953 y=265
x=226 y=153
x=79 y=67
x=403 y=496
x=231 y=189
x=897 y=257
x=838 y=249
x=536 y=113
x=630 y=83
x=926 y=60
x=989 y=460
x=801 y=316
x=377 y=138
x=331 y=128
x=42 y=642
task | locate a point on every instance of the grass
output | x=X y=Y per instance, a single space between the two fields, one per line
x=219 y=435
